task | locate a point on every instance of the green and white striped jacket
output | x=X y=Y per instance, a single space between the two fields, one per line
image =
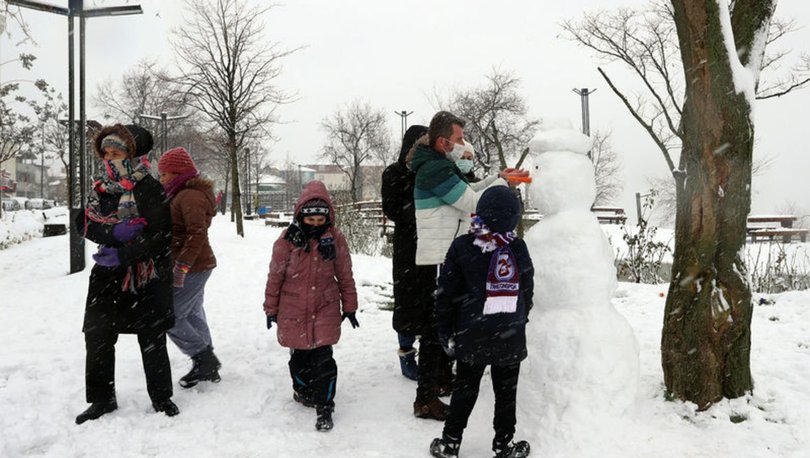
x=444 y=201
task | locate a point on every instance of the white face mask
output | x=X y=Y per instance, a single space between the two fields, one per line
x=456 y=153
x=464 y=165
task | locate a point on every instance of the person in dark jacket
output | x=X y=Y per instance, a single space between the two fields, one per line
x=130 y=289
x=410 y=311
x=482 y=305
x=310 y=290
x=193 y=207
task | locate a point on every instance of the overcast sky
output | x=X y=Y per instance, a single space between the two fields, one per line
x=397 y=54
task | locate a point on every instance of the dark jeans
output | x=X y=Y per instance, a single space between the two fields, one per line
x=314 y=374
x=465 y=393
x=99 y=373
x=434 y=367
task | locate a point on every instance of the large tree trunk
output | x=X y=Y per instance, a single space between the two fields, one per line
x=706 y=338
x=236 y=198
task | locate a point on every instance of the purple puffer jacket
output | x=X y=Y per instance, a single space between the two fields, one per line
x=304 y=291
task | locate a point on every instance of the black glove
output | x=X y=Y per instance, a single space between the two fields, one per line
x=270 y=320
x=448 y=345
x=352 y=319
x=326 y=246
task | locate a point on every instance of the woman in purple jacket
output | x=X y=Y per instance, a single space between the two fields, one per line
x=310 y=279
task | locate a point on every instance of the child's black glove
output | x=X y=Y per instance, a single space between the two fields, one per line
x=352 y=319
x=270 y=320
x=448 y=345
x=326 y=246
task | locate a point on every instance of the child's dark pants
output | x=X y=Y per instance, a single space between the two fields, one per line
x=314 y=374
x=465 y=393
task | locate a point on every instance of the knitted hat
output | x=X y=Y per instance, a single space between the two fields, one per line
x=315 y=207
x=136 y=140
x=116 y=142
x=176 y=160
x=500 y=209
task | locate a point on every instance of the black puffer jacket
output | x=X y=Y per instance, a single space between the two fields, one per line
x=108 y=307
x=410 y=314
x=498 y=339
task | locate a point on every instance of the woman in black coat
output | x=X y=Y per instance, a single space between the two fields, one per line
x=410 y=313
x=130 y=289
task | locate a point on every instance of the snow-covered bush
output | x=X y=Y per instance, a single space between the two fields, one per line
x=19 y=226
x=362 y=232
x=777 y=267
x=645 y=254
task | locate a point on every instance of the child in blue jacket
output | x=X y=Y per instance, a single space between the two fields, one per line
x=482 y=303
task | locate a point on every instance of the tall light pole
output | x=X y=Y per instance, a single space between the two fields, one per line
x=76 y=160
x=586 y=113
x=42 y=164
x=164 y=128
x=248 y=202
x=404 y=121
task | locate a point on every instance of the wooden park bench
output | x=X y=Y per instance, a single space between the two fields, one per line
x=56 y=221
x=609 y=215
x=770 y=226
x=277 y=219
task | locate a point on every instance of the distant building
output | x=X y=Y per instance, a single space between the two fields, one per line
x=339 y=185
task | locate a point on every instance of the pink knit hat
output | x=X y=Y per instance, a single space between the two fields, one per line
x=176 y=160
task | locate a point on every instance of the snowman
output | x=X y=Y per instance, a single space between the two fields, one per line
x=583 y=355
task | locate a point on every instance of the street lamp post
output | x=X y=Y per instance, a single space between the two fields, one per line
x=404 y=121
x=164 y=127
x=42 y=165
x=248 y=201
x=76 y=165
x=586 y=112
x=639 y=215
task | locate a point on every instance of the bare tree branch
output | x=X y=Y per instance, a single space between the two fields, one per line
x=356 y=135
x=227 y=71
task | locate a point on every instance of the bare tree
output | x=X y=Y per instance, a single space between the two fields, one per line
x=53 y=135
x=146 y=89
x=14 y=15
x=16 y=127
x=140 y=90
x=607 y=166
x=356 y=135
x=227 y=72
x=666 y=200
x=706 y=336
x=497 y=119
x=645 y=41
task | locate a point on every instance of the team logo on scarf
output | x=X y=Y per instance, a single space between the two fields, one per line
x=503 y=276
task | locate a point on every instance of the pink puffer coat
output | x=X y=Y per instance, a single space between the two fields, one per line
x=305 y=291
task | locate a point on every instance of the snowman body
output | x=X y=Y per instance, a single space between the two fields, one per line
x=583 y=354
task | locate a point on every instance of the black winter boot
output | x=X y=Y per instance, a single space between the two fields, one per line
x=407 y=363
x=166 y=406
x=324 y=422
x=96 y=410
x=434 y=409
x=205 y=367
x=446 y=447
x=303 y=397
x=519 y=449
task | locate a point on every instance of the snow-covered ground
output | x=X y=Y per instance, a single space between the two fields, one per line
x=251 y=412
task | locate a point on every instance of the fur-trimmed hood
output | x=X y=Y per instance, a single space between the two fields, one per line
x=421 y=141
x=139 y=141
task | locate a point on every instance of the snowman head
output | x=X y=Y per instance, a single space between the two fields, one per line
x=563 y=175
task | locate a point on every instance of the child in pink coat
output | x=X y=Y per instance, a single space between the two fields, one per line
x=310 y=290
